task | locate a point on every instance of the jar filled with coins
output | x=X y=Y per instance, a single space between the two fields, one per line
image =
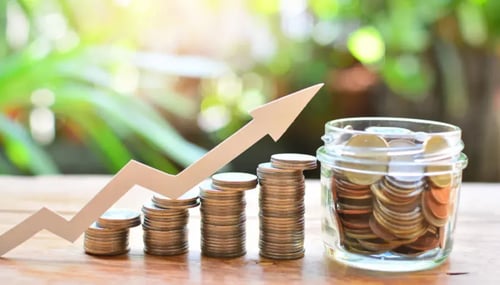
x=390 y=189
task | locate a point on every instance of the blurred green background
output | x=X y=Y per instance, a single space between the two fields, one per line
x=87 y=85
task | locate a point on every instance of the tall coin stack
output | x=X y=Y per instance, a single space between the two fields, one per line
x=109 y=235
x=165 y=223
x=281 y=202
x=223 y=219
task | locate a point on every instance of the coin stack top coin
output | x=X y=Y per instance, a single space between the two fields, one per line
x=281 y=202
x=109 y=235
x=165 y=223
x=223 y=219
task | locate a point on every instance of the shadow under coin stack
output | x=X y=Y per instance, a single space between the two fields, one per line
x=401 y=213
x=109 y=235
x=223 y=219
x=281 y=202
x=165 y=223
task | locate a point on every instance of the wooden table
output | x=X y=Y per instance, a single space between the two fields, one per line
x=48 y=259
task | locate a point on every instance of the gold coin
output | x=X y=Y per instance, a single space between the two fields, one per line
x=435 y=146
x=370 y=171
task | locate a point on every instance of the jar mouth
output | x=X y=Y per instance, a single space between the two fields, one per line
x=417 y=126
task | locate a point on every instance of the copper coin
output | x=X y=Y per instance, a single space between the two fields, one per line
x=441 y=195
x=341 y=210
x=379 y=230
x=439 y=211
x=430 y=218
x=360 y=233
x=426 y=242
x=378 y=244
x=355 y=221
x=436 y=145
x=404 y=250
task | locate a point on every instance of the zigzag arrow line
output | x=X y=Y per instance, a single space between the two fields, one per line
x=272 y=118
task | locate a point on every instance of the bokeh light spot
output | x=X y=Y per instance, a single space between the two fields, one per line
x=366 y=45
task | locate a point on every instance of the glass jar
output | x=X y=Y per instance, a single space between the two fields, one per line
x=390 y=190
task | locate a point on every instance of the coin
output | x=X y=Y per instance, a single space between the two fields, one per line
x=391 y=132
x=266 y=168
x=374 y=163
x=441 y=195
x=294 y=161
x=402 y=165
x=235 y=181
x=437 y=146
x=119 y=218
x=438 y=210
x=189 y=199
x=426 y=242
x=377 y=244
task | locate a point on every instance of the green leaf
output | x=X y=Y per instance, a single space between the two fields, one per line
x=5 y=166
x=402 y=28
x=472 y=23
x=23 y=151
x=102 y=138
x=407 y=76
x=265 y=7
x=134 y=115
x=150 y=155
x=325 y=9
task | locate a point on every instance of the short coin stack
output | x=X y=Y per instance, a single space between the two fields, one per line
x=109 y=235
x=165 y=223
x=223 y=219
x=281 y=204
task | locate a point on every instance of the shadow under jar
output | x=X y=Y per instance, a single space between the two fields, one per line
x=390 y=190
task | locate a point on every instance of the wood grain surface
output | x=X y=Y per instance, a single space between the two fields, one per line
x=49 y=259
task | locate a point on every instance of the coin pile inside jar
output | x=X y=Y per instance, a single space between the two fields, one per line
x=165 y=223
x=223 y=219
x=401 y=210
x=109 y=235
x=281 y=204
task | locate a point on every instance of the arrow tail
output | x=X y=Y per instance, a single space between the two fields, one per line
x=134 y=173
x=31 y=226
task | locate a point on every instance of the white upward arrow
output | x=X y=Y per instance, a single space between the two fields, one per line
x=273 y=118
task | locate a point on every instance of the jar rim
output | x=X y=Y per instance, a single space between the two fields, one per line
x=339 y=124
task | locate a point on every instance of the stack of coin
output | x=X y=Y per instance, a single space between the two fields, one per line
x=353 y=208
x=165 y=223
x=436 y=205
x=109 y=235
x=281 y=204
x=223 y=219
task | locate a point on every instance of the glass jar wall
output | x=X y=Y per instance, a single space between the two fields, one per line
x=390 y=190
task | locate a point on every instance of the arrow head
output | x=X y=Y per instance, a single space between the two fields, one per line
x=276 y=116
